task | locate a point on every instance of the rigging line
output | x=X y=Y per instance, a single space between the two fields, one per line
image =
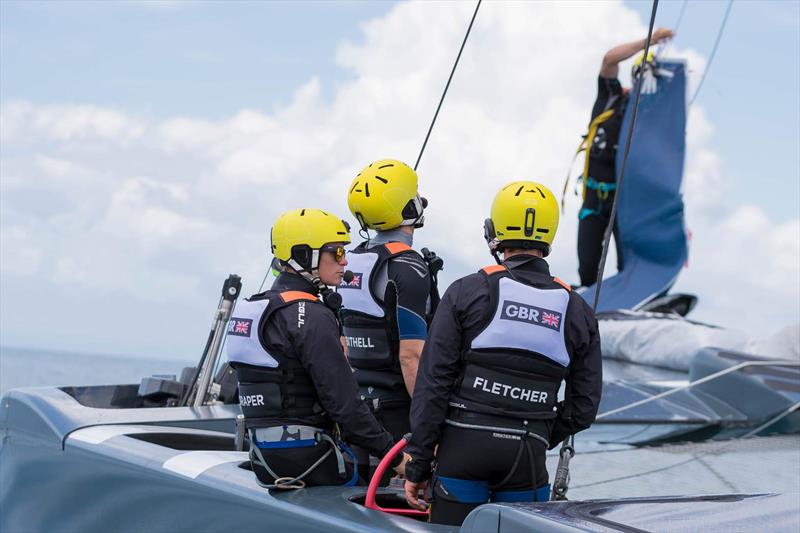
x=263 y=281
x=447 y=86
x=723 y=447
x=561 y=482
x=680 y=16
x=713 y=51
x=613 y=216
x=691 y=384
x=773 y=420
x=675 y=29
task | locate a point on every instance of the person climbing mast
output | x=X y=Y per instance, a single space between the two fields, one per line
x=600 y=172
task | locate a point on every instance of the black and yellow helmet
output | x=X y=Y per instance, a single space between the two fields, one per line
x=524 y=215
x=297 y=237
x=383 y=196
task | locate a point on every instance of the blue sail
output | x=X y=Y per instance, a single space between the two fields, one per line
x=650 y=209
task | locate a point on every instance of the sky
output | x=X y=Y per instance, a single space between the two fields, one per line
x=146 y=147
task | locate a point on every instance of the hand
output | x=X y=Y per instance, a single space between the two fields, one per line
x=412 y=495
x=662 y=34
x=401 y=468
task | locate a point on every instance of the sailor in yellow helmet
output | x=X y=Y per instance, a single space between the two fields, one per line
x=387 y=303
x=500 y=345
x=295 y=386
x=599 y=171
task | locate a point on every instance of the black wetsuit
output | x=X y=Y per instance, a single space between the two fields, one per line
x=404 y=301
x=596 y=209
x=479 y=465
x=312 y=337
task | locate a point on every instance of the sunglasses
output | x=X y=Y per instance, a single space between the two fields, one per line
x=337 y=250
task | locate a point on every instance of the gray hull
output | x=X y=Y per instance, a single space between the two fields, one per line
x=94 y=459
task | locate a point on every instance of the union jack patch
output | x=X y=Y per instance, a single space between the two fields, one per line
x=240 y=326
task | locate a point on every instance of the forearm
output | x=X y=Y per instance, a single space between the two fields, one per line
x=612 y=59
x=620 y=53
x=410 y=351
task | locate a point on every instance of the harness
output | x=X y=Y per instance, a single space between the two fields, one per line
x=295 y=436
x=602 y=189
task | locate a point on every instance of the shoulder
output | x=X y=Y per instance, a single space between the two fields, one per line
x=302 y=314
x=469 y=287
x=409 y=261
x=580 y=312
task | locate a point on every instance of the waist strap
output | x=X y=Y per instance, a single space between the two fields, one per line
x=288 y=482
x=524 y=433
x=602 y=186
x=287 y=436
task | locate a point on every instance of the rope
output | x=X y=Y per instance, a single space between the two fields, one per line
x=677 y=25
x=714 y=448
x=700 y=381
x=773 y=420
x=713 y=51
x=447 y=86
x=561 y=482
x=621 y=175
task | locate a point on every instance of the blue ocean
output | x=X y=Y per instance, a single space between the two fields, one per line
x=27 y=367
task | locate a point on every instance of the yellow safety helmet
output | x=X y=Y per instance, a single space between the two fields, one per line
x=384 y=196
x=297 y=236
x=524 y=215
x=637 y=62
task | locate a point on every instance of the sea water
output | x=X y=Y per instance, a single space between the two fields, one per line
x=28 y=367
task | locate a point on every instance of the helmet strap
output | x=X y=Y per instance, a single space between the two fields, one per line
x=361 y=221
x=308 y=272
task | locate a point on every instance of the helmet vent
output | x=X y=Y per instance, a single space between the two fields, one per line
x=530 y=221
x=513 y=228
x=354 y=186
x=303 y=213
x=543 y=230
x=540 y=191
x=366 y=189
x=519 y=190
x=390 y=165
x=382 y=180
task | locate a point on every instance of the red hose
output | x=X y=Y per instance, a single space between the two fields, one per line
x=370 y=503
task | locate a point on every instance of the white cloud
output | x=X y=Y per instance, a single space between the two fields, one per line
x=173 y=204
x=63 y=122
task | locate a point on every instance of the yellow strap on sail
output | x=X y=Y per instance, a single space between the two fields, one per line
x=584 y=145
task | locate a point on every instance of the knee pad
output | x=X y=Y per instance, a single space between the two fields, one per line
x=542 y=494
x=461 y=490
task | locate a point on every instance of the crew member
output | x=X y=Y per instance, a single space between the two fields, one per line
x=600 y=172
x=296 y=390
x=500 y=345
x=386 y=304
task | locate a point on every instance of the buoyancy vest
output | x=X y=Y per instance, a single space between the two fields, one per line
x=514 y=366
x=369 y=316
x=273 y=386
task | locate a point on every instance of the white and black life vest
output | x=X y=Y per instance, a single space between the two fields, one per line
x=272 y=386
x=369 y=316
x=515 y=365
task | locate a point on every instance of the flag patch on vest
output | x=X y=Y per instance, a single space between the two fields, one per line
x=530 y=314
x=240 y=326
x=355 y=283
